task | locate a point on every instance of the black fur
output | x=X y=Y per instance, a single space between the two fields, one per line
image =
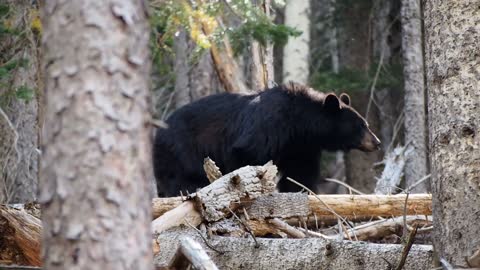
x=289 y=124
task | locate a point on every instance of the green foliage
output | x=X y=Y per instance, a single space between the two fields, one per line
x=7 y=71
x=263 y=32
x=167 y=19
x=207 y=23
x=350 y=80
x=25 y=93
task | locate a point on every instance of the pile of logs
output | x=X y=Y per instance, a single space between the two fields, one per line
x=240 y=221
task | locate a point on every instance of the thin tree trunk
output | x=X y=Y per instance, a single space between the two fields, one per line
x=296 y=52
x=194 y=80
x=452 y=66
x=94 y=174
x=354 y=51
x=261 y=62
x=415 y=116
x=18 y=117
x=382 y=55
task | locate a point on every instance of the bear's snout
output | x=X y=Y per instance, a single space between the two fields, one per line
x=370 y=142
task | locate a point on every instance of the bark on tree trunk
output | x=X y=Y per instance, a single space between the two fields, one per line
x=261 y=58
x=296 y=51
x=193 y=80
x=452 y=65
x=414 y=108
x=18 y=118
x=382 y=54
x=354 y=52
x=97 y=154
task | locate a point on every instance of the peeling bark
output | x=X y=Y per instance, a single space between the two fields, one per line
x=94 y=189
x=452 y=64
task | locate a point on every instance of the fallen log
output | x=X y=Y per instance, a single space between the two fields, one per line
x=351 y=207
x=348 y=206
x=305 y=253
x=20 y=236
x=214 y=201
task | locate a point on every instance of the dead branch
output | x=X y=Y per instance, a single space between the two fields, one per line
x=406 y=248
x=372 y=205
x=195 y=253
x=382 y=228
x=286 y=228
x=211 y=169
x=393 y=171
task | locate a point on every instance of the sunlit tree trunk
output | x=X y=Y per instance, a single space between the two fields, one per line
x=414 y=108
x=296 y=52
x=94 y=187
x=452 y=66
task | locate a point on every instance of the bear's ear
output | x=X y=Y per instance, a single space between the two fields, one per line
x=345 y=99
x=331 y=103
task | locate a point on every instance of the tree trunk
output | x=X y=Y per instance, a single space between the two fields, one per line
x=382 y=55
x=261 y=68
x=194 y=80
x=97 y=156
x=296 y=52
x=354 y=53
x=18 y=117
x=415 y=116
x=452 y=65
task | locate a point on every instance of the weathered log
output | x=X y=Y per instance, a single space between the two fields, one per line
x=348 y=206
x=215 y=201
x=185 y=214
x=162 y=205
x=20 y=235
x=352 y=207
x=372 y=205
x=305 y=253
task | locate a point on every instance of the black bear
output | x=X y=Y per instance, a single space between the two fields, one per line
x=289 y=124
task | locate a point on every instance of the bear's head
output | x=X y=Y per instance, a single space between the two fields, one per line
x=349 y=130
